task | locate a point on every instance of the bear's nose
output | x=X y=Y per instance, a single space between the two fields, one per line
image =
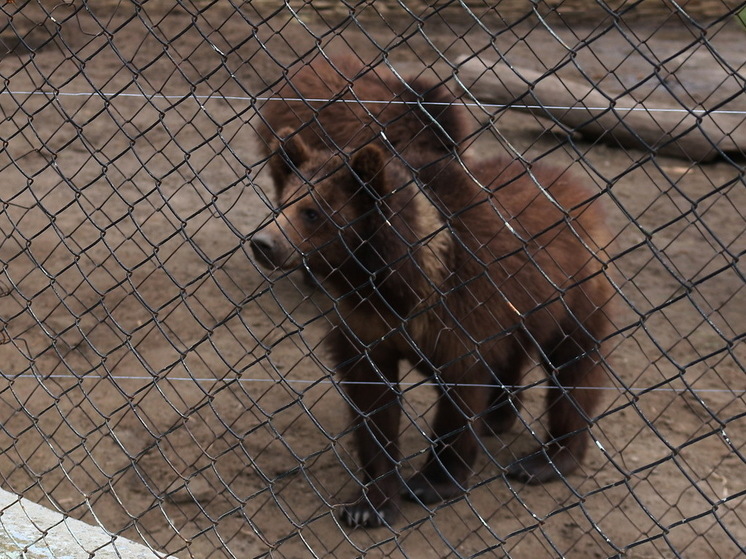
x=263 y=247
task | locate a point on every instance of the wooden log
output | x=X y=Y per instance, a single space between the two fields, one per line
x=697 y=136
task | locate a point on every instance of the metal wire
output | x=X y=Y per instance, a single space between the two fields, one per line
x=158 y=382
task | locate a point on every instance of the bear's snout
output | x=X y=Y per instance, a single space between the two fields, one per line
x=273 y=249
x=263 y=247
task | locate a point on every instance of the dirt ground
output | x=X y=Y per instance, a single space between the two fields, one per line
x=156 y=381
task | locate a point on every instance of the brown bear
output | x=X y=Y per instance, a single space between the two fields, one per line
x=338 y=104
x=467 y=275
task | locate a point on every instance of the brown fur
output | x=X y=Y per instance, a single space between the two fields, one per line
x=339 y=105
x=465 y=277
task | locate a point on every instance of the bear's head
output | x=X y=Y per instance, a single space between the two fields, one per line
x=351 y=220
x=327 y=206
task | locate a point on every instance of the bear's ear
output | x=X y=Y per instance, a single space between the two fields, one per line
x=290 y=153
x=368 y=164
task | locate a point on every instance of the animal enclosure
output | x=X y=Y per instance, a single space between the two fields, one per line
x=158 y=382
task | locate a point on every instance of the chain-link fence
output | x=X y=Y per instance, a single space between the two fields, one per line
x=160 y=380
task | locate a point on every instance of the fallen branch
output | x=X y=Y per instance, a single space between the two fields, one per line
x=693 y=135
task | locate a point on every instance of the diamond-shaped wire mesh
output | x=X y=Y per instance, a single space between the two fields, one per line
x=160 y=382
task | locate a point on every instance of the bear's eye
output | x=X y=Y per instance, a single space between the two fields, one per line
x=310 y=215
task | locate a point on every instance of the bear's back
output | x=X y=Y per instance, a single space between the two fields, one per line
x=340 y=105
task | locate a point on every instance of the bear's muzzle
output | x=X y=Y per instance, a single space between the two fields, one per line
x=263 y=246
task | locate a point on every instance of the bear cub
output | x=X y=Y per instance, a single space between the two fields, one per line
x=468 y=276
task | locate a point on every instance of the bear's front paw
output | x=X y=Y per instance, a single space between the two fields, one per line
x=543 y=466
x=363 y=515
x=421 y=489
